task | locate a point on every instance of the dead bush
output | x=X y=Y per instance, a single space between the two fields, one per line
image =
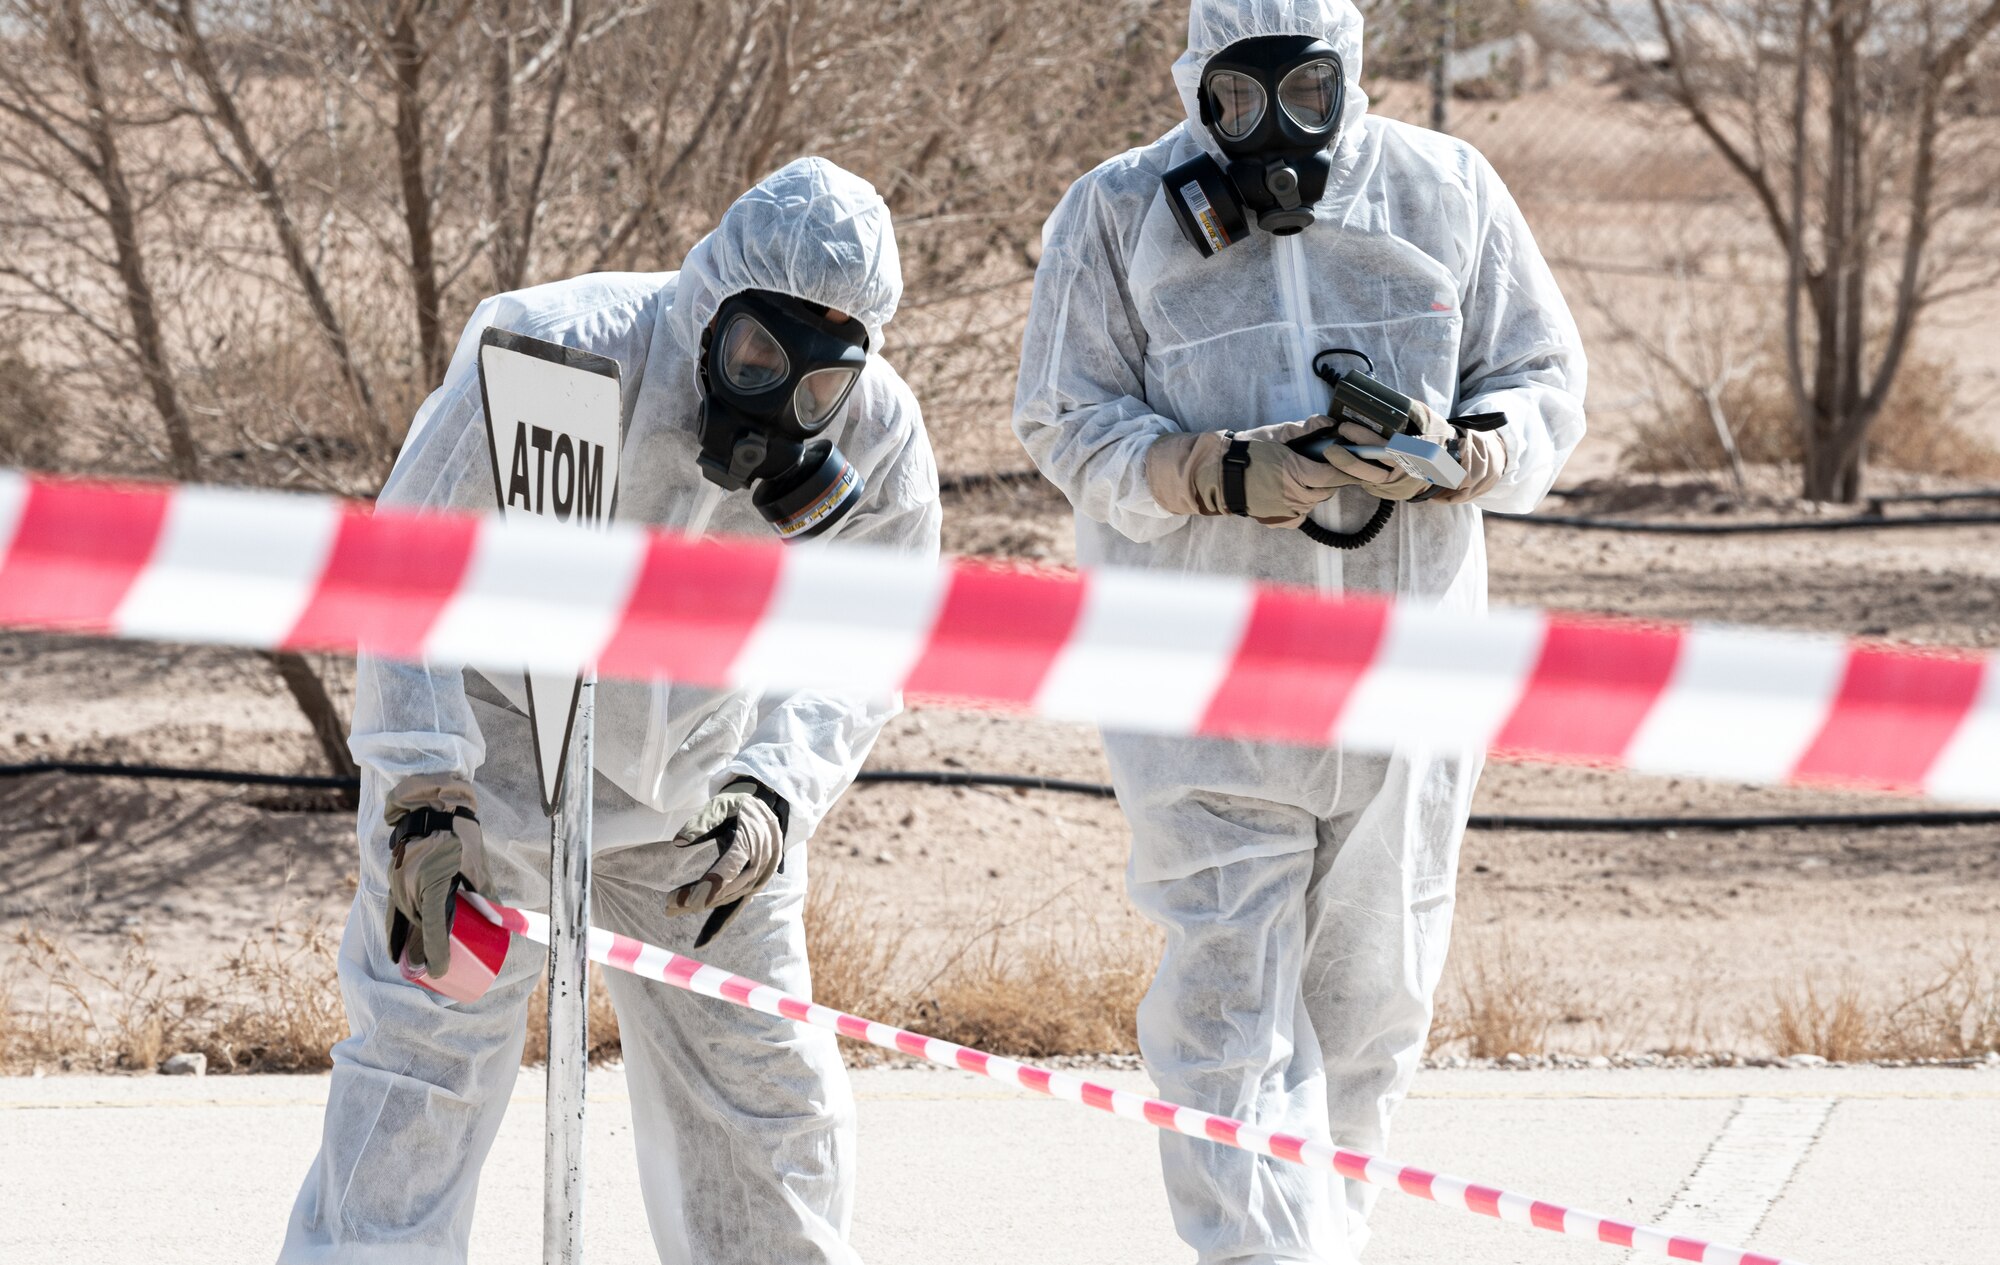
x=272 y=1007
x=1917 y=429
x=1499 y=1003
x=1803 y=1021
x=1044 y=1000
x=33 y=419
x=1955 y=1014
x=854 y=956
x=995 y=990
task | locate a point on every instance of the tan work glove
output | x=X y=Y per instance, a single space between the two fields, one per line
x=1280 y=487
x=1484 y=455
x=750 y=842
x=437 y=849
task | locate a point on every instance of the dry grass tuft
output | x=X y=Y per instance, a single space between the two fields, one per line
x=1497 y=1004
x=1953 y=1015
x=854 y=955
x=1044 y=1001
x=1837 y=1028
x=272 y=1007
x=1043 y=998
x=1916 y=431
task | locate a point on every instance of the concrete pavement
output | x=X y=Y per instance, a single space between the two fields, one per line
x=1833 y=1166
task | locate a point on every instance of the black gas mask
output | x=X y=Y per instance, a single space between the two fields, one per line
x=775 y=371
x=1273 y=105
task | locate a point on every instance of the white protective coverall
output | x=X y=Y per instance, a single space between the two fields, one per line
x=744 y=1124
x=1306 y=894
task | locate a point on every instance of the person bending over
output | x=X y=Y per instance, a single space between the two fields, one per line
x=744 y=1124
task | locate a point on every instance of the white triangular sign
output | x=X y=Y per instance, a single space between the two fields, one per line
x=554 y=425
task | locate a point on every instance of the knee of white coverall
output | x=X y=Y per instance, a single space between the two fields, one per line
x=1222 y=1030
x=415 y=1098
x=743 y=1123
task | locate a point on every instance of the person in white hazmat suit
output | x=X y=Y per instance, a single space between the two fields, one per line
x=743 y=1123
x=1306 y=894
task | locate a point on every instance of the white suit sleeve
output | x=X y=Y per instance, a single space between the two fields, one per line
x=1520 y=353
x=808 y=745
x=1080 y=407
x=412 y=718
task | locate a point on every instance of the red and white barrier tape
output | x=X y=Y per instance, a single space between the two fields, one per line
x=1148 y=651
x=652 y=962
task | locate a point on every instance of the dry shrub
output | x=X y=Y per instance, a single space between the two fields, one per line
x=1838 y=1029
x=602 y=1023
x=1046 y=998
x=274 y=1006
x=1956 y=1015
x=1953 y=1015
x=1499 y=1004
x=271 y=411
x=33 y=418
x=854 y=955
x=1917 y=430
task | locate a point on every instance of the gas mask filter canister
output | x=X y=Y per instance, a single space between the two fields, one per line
x=1273 y=104
x=775 y=371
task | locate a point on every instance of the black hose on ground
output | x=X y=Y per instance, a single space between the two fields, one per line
x=290 y=781
x=1864 y=522
x=1873 y=520
x=1015 y=781
x=1098 y=790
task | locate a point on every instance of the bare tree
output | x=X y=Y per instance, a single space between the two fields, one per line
x=215 y=99
x=1843 y=118
x=67 y=149
x=74 y=148
x=1690 y=336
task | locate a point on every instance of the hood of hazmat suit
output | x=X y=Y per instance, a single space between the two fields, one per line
x=809 y=230
x=744 y=1127
x=1418 y=256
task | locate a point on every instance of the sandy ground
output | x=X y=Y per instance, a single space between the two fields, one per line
x=1835 y=1166
x=1648 y=940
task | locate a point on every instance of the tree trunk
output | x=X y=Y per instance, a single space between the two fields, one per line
x=309 y=692
x=406 y=57
x=122 y=218
x=263 y=181
x=1834 y=418
x=507 y=262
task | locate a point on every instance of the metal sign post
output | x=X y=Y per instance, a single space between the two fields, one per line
x=554 y=431
x=569 y=994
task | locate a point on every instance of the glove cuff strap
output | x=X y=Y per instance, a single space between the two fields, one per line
x=1235 y=473
x=771 y=800
x=421 y=822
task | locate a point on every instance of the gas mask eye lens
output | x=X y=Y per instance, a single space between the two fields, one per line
x=820 y=393
x=1237 y=102
x=1310 y=94
x=751 y=358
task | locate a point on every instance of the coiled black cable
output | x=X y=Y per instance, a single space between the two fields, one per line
x=1360 y=536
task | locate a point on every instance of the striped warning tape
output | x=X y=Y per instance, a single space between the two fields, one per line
x=649 y=961
x=1148 y=651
